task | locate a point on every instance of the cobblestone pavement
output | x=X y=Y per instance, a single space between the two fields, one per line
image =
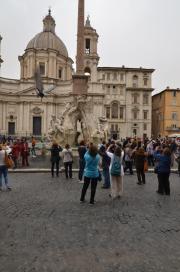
x=44 y=228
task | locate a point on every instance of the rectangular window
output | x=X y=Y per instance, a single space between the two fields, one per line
x=121 y=113
x=115 y=76
x=174 y=116
x=174 y=93
x=42 y=68
x=145 y=81
x=112 y=127
x=145 y=99
x=108 y=76
x=134 y=115
x=103 y=77
x=121 y=91
x=135 y=98
x=122 y=77
x=145 y=126
x=108 y=112
x=145 y=115
x=88 y=46
x=60 y=73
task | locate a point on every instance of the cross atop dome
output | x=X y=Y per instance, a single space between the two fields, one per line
x=49 y=11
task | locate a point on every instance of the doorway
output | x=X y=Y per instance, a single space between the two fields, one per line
x=37 y=123
x=11 y=128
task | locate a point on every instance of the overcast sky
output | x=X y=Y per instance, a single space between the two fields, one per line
x=133 y=33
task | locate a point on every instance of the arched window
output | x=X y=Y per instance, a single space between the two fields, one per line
x=87 y=71
x=114 y=110
x=135 y=81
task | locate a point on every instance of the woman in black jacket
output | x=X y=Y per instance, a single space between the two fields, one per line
x=55 y=158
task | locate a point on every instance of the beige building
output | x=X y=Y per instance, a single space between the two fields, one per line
x=121 y=94
x=166 y=112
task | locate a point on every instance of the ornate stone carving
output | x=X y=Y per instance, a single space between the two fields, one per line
x=37 y=110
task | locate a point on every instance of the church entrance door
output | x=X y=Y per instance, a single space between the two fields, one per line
x=11 y=128
x=37 y=125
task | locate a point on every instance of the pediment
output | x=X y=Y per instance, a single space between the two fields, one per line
x=31 y=91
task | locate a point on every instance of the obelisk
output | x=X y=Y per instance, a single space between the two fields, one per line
x=79 y=79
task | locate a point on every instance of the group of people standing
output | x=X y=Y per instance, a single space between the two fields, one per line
x=114 y=159
x=111 y=159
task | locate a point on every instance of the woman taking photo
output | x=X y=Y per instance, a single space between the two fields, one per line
x=163 y=171
x=91 y=172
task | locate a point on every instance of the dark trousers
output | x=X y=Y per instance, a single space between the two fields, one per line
x=57 y=168
x=106 y=176
x=150 y=160
x=87 y=181
x=68 y=169
x=164 y=185
x=128 y=165
x=141 y=175
x=15 y=162
x=81 y=168
x=25 y=160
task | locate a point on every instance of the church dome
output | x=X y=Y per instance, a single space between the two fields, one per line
x=47 y=39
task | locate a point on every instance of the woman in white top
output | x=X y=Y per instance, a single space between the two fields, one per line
x=3 y=168
x=67 y=160
x=116 y=174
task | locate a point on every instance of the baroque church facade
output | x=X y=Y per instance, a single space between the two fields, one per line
x=121 y=95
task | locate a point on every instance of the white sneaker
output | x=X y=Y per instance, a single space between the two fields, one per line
x=81 y=181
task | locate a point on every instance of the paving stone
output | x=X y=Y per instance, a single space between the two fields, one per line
x=44 y=228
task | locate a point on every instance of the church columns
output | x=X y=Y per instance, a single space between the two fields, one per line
x=4 y=116
x=44 y=119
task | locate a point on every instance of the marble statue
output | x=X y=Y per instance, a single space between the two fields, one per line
x=77 y=122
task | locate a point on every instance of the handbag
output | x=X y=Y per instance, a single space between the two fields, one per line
x=145 y=166
x=8 y=161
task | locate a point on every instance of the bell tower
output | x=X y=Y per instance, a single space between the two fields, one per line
x=91 y=58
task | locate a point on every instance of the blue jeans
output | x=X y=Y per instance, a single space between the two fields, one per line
x=3 y=172
x=106 y=178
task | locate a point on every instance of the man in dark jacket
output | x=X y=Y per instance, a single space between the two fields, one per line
x=106 y=160
x=55 y=158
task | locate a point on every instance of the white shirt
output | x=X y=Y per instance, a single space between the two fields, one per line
x=2 y=157
x=121 y=159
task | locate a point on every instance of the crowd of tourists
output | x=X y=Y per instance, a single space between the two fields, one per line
x=107 y=162
x=110 y=161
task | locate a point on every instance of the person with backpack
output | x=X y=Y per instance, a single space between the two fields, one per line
x=116 y=172
x=106 y=160
x=67 y=160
